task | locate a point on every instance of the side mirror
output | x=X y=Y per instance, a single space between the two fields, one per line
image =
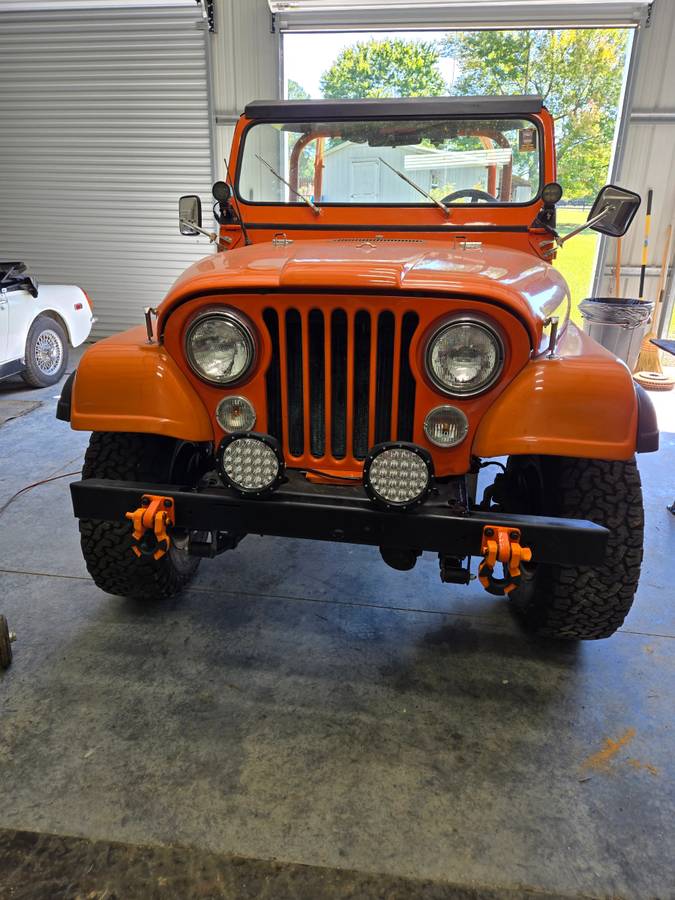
x=613 y=211
x=189 y=214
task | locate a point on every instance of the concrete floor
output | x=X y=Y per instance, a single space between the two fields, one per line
x=305 y=704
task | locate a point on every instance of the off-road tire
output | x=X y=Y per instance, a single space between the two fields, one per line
x=581 y=602
x=107 y=546
x=52 y=334
x=5 y=644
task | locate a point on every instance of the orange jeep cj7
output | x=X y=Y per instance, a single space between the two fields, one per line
x=381 y=321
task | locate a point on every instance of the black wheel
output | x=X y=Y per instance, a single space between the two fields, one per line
x=107 y=546
x=5 y=644
x=578 y=602
x=46 y=352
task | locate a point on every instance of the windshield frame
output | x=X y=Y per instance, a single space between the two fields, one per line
x=515 y=116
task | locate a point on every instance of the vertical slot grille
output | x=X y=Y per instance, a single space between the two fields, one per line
x=384 y=376
x=296 y=410
x=317 y=387
x=406 y=384
x=338 y=369
x=273 y=378
x=361 y=384
x=379 y=391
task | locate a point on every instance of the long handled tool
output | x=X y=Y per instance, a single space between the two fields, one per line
x=645 y=244
x=648 y=369
x=666 y=263
x=617 y=270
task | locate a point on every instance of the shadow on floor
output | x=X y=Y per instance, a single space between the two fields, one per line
x=44 y=867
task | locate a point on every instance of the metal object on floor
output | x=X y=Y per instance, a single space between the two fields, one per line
x=6 y=638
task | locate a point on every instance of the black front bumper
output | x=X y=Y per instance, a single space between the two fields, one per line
x=322 y=512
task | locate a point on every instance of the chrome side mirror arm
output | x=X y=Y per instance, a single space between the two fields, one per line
x=548 y=248
x=211 y=235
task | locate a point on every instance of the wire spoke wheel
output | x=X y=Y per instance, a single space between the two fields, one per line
x=47 y=349
x=48 y=352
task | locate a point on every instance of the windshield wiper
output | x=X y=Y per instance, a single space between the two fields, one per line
x=291 y=189
x=412 y=184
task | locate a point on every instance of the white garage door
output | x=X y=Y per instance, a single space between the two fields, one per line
x=307 y=15
x=104 y=122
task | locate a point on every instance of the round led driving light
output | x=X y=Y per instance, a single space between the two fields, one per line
x=235 y=414
x=551 y=193
x=446 y=426
x=398 y=475
x=220 y=347
x=250 y=463
x=464 y=358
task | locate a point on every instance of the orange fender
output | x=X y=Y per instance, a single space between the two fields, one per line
x=582 y=403
x=125 y=384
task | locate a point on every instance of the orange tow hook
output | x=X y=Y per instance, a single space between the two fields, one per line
x=150 y=520
x=501 y=545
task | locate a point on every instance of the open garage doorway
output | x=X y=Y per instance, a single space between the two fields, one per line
x=580 y=72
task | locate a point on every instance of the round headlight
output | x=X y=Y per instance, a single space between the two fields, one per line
x=250 y=463
x=465 y=358
x=235 y=414
x=398 y=475
x=220 y=347
x=446 y=426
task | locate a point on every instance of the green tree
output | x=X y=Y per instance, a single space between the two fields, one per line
x=577 y=72
x=296 y=91
x=385 y=68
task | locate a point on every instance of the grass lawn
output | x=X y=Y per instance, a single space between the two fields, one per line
x=575 y=259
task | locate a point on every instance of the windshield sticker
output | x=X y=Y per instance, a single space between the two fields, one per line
x=527 y=139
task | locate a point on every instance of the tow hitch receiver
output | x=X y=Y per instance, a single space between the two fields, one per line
x=150 y=520
x=501 y=545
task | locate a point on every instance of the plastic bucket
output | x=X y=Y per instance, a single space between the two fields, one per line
x=619 y=325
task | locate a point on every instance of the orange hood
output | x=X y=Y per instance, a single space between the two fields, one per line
x=516 y=280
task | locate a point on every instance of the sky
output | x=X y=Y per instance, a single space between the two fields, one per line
x=308 y=56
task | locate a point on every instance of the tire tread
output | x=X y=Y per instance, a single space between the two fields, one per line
x=107 y=546
x=582 y=602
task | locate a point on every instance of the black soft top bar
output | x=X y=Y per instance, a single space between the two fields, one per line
x=409 y=107
x=13 y=278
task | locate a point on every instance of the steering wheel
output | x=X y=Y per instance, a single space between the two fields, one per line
x=474 y=193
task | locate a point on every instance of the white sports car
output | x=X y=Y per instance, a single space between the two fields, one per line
x=38 y=325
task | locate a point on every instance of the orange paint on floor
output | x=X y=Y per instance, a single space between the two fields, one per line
x=602 y=758
x=636 y=764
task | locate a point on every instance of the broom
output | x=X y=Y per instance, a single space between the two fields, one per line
x=649 y=372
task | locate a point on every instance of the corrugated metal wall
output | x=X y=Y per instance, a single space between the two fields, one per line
x=649 y=158
x=245 y=59
x=104 y=122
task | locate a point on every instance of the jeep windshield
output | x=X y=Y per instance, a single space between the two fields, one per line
x=406 y=162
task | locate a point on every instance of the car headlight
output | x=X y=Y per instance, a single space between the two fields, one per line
x=220 y=347
x=446 y=426
x=235 y=414
x=464 y=358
